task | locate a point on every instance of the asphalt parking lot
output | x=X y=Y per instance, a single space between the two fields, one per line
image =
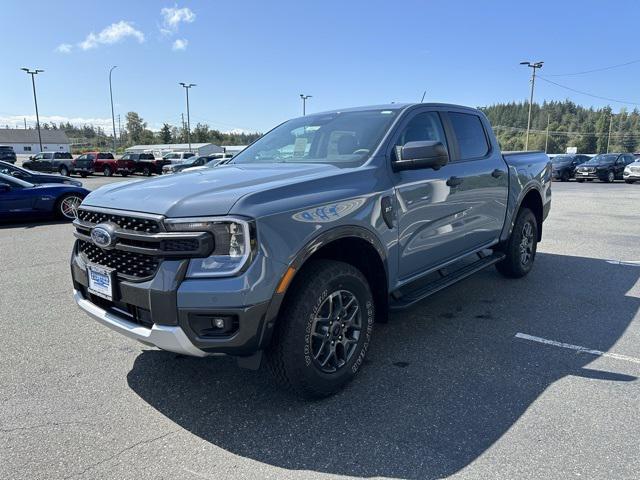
x=468 y=384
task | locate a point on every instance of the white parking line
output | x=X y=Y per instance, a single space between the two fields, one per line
x=577 y=348
x=628 y=263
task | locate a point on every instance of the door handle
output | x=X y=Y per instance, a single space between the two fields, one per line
x=454 y=181
x=497 y=173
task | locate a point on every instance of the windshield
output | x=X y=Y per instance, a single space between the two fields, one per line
x=340 y=138
x=561 y=159
x=601 y=159
x=14 y=181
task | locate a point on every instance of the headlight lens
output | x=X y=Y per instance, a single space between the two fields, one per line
x=234 y=244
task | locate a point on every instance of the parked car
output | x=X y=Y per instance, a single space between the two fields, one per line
x=312 y=233
x=61 y=162
x=35 y=177
x=177 y=157
x=564 y=166
x=7 y=154
x=217 y=160
x=144 y=163
x=632 y=172
x=106 y=163
x=606 y=167
x=190 y=162
x=20 y=200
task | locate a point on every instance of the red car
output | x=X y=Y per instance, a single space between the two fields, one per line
x=106 y=163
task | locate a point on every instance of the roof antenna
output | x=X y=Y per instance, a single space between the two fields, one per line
x=423 y=94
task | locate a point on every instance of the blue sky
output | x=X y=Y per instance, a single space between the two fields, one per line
x=251 y=59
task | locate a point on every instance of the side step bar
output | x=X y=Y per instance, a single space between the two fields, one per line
x=411 y=297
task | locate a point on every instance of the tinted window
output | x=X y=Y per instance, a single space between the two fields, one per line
x=469 y=131
x=90 y=156
x=422 y=128
x=47 y=155
x=146 y=156
x=62 y=155
x=105 y=156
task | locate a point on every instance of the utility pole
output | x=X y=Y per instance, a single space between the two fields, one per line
x=25 y=123
x=33 y=74
x=113 y=118
x=119 y=130
x=534 y=66
x=609 y=135
x=546 y=142
x=187 y=86
x=423 y=95
x=304 y=103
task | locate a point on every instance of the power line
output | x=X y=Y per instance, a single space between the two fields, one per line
x=625 y=102
x=610 y=67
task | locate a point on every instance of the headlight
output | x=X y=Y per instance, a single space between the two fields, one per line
x=234 y=244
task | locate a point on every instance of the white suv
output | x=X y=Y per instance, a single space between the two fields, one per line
x=177 y=157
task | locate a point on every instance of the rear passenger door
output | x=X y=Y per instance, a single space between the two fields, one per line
x=457 y=209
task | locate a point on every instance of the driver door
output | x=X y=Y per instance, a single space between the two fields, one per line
x=14 y=200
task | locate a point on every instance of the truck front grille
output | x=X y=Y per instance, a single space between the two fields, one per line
x=123 y=221
x=127 y=264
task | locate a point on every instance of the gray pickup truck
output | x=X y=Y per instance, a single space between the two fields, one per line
x=308 y=237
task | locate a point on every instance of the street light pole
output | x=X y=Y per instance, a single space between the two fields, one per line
x=304 y=103
x=187 y=86
x=33 y=73
x=609 y=135
x=546 y=142
x=534 y=66
x=113 y=117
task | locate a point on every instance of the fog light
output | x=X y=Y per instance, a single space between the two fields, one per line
x=218 y=322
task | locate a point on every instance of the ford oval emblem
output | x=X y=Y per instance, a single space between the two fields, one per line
x=102 y=237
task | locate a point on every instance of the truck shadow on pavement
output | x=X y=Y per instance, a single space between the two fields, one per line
x=444 y=381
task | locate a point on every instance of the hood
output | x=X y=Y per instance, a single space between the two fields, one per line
x=206 y=192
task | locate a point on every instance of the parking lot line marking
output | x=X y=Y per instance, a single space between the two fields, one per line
x=629 y=263
x=577 y=348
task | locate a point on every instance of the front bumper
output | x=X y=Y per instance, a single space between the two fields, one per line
x=590 y=176
x=631 y=175
x=172 y=339
x=168 y=310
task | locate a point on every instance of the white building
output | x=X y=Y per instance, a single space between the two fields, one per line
x=160 y=149
x=25 y=141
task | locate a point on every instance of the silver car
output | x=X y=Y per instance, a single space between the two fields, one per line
x=632 y=172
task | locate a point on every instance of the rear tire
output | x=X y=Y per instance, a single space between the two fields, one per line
x=83 y=174
x=521 y=247
x=64 y=171
x=67 y=206
x=124 y=174
x=323 y=331
x=146 y=171
x=107 y=171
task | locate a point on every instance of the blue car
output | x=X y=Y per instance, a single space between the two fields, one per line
x=20 y=200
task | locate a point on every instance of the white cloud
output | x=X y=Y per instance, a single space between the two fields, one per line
x=172 y=17
x=180 y=44
x=17 y=121
x=114 y=33
x=64 y=48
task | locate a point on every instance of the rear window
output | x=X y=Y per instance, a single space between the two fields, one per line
x=105 y=156
x=146 y=156
x=63 y=155
x=469 y=131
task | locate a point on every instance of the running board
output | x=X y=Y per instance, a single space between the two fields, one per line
x=400 y=300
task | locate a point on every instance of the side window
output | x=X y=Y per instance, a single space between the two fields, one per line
x=628 y=159
x=90 y=157
x=47 y=156
x=423 y=127
x=470 y=134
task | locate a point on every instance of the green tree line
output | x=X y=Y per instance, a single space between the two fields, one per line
x=569 y=125
x=136 y=132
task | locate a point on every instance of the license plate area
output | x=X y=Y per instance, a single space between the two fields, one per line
x=101 y=281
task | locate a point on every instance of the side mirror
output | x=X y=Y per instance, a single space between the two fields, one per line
x=4 y=188
x=30 y=157
x=423 y=154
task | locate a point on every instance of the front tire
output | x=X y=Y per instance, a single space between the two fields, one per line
x=146 y=171
x=64 y=171
x=324 y=330
x=629 y=181
x=611 y=177
x=521 y=247
x=579 y=180
x=107 y=171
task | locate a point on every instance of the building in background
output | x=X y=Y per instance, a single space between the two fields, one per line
x=233 y=149
x=160 y=149
x=25 y=141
